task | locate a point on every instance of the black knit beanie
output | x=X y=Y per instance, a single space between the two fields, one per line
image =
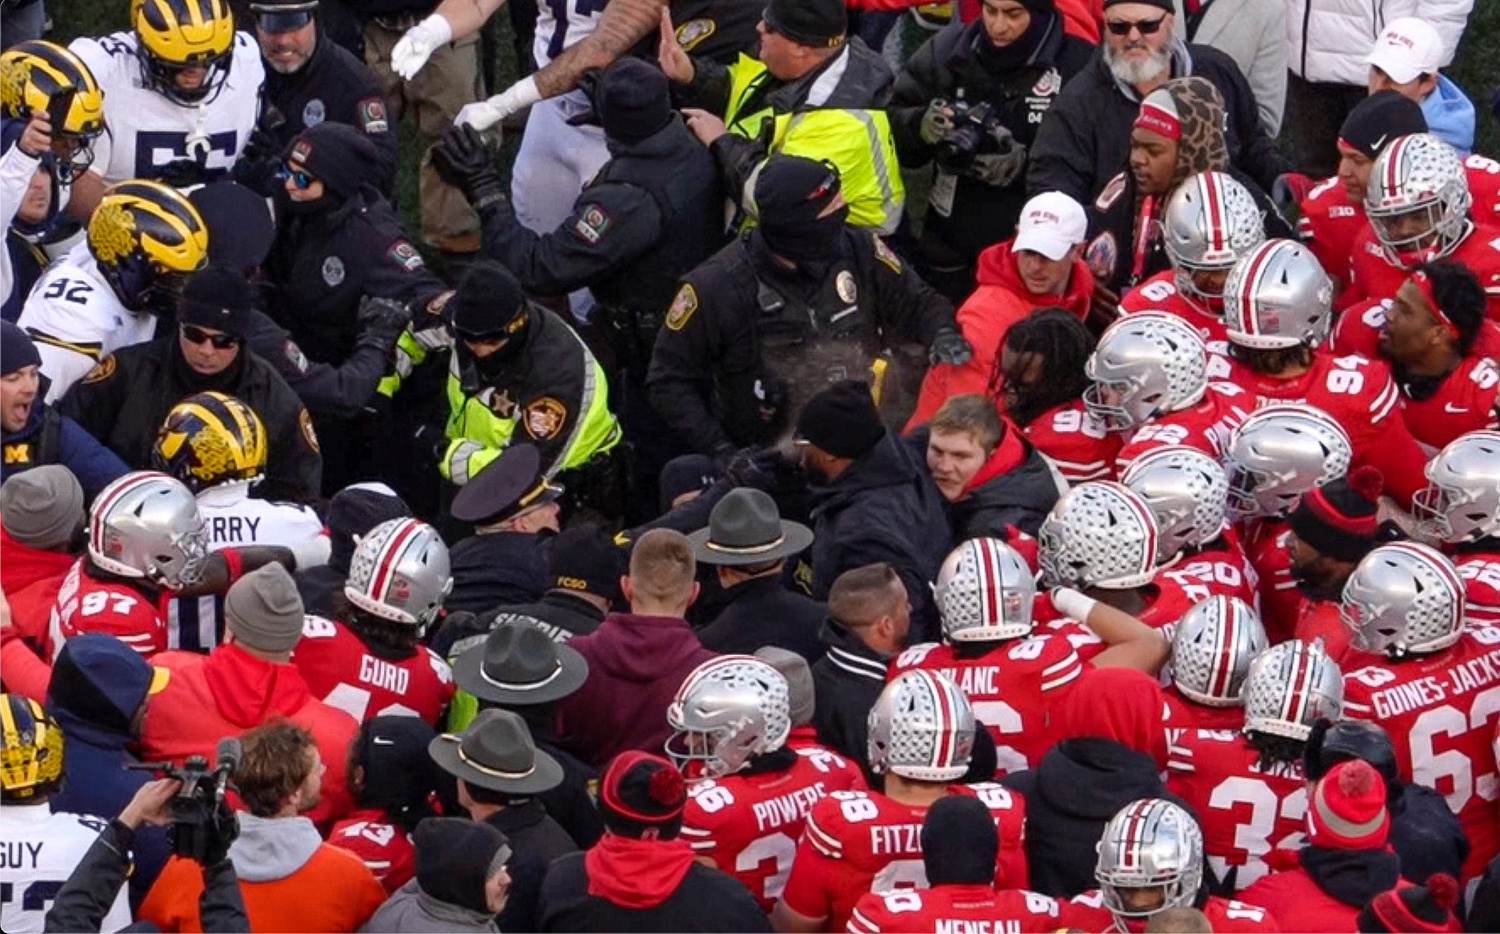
x=1339 y=518
x=1380 y=118
x=1414 y=908
x=959 y=842
x=842 y=420
x=338 y=155
x=456 y=856
x=633 y=100
x=818 y=23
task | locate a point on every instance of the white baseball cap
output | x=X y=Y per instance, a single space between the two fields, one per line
x=1407 y=49
x=1051 y=224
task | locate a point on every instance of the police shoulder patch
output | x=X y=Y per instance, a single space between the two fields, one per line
x=543 y=418
x=886 y=255
x=372 y=117
x=1111 y=193
x=692 y=33
x=592 y=223
x=406 y=255
x=305 y=421
x=295 y=356
x=102 y=370
x=683 y=306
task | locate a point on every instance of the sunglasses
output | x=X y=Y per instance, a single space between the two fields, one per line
x=196 y=335
x=299 y=179
x=1147 y=27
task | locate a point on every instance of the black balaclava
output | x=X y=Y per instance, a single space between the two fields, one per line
x=959 y=842
x=790 y=194
x=489 y=304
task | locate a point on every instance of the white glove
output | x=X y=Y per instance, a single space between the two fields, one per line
x=1073 y=604
x=312 y=553
x=414 y=48
x=481 y=115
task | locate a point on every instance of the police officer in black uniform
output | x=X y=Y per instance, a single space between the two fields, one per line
x=311 y=80
x=340 y=241
x=653 y=213
x=799 y=302
x=126 y=397
x=240 y=233
x=514 y=511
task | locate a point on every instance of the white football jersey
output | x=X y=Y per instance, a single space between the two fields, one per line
x=561 y=24
x=232 y=518
x=75 y=319
x=38 y=852
x=145 y=131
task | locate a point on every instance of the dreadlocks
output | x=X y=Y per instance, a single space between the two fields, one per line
x=1060 y=344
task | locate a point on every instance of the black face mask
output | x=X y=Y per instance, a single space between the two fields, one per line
x=807 y=239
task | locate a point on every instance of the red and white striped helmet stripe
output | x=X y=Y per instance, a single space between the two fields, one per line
x=390 y=556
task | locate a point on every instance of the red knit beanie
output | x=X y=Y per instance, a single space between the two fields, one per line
x=1414 y=908
x=1347 y=808
x=1340 y=518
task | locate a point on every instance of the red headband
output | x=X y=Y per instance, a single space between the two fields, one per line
x=1159 y=120
x=1423 y=282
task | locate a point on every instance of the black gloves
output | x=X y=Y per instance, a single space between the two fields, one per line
x=464 y=160
x=949 y=346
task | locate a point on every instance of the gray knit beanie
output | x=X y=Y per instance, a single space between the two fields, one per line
x=43 y=507
x=799 y=680
x=264 y=610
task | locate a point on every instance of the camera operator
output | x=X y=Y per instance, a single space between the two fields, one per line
x=970 y=101
x=87 y=895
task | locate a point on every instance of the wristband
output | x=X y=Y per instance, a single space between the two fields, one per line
x=519 y=96
x=233 y=563
x=1073 y=604
x=442 y=30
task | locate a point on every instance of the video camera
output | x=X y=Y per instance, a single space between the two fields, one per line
x=199 y=820
x=971 y=133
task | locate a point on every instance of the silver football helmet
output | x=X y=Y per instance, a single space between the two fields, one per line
x=1209 y=222
x=985 y=593
x=1418 y=175
x=1099 y=534
x=1404 y=598
x=1279 y=453
x=1212 y=648
x=727 y=711
x=1278 y=296
x=1291 y=685
x=1144 y=365
x=146 y=525
x=1150 y=843
x=1186 y=490
x=400 y=572
x=1461 y=502
x=921 y=728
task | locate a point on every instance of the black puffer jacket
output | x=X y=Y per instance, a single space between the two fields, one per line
x=1079 y=786
x=1022 y=496
x=883 y=508
x=1085 y=139
x=960 y=62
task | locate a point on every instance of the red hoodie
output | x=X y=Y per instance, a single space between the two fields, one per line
x=31 y=578
x=1001 y=300
x=636 y=665
x=229 y=691
x=1121 y=704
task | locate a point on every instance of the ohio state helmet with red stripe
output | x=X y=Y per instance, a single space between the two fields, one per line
x=1404 y=598
x=1209 y=222
x=146 y=525
x=1461 y=502
x=1099 y=534
x=1279 y=453
x=1186 y=490
x=1290 y=685
x=1422 y=176
x=400 y=572
x=1278 y=296
x=1212 y=648
x=727 y=711
x=985 y=592
x=1145 y=365
x=921 y=728
x=1150 y=843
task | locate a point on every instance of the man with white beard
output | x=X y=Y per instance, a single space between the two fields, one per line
x=1084 y=139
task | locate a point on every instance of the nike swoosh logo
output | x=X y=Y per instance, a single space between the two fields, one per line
x=1453 y=410
x=384 y=742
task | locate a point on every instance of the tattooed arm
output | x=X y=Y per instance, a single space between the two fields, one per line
x=622 y=24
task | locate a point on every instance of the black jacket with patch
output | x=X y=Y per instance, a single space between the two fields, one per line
x=846 y=683
x=763 y=612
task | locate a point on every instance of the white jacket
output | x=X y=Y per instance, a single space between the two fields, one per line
x=1328 y=40
x=1253 y=33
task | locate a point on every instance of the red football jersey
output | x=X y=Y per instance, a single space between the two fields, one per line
x=1185 y=715
x=1440 y=711
x=970 y=909
x=1205 y=426
x=1010 y=687
x=1360 y=395
x=342 y=672
x=1215 y=572
x=87 y=604
x=1225 y=916
x=386 y=849
x=1464 y=402
x=858 y=842
x=1280 y=601
x=1483 y=174
x=1329 y=224
x=1481 y=573
x=749 y=825
x=1169 y=596
x=1374 y=278
x=1159 y=293
x=1245 y=811
x=1357 y=331
x=1075 y=441
x=1049 y=622
x=1320 y=619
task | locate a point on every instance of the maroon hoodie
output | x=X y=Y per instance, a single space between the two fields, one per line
x=636 y=665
